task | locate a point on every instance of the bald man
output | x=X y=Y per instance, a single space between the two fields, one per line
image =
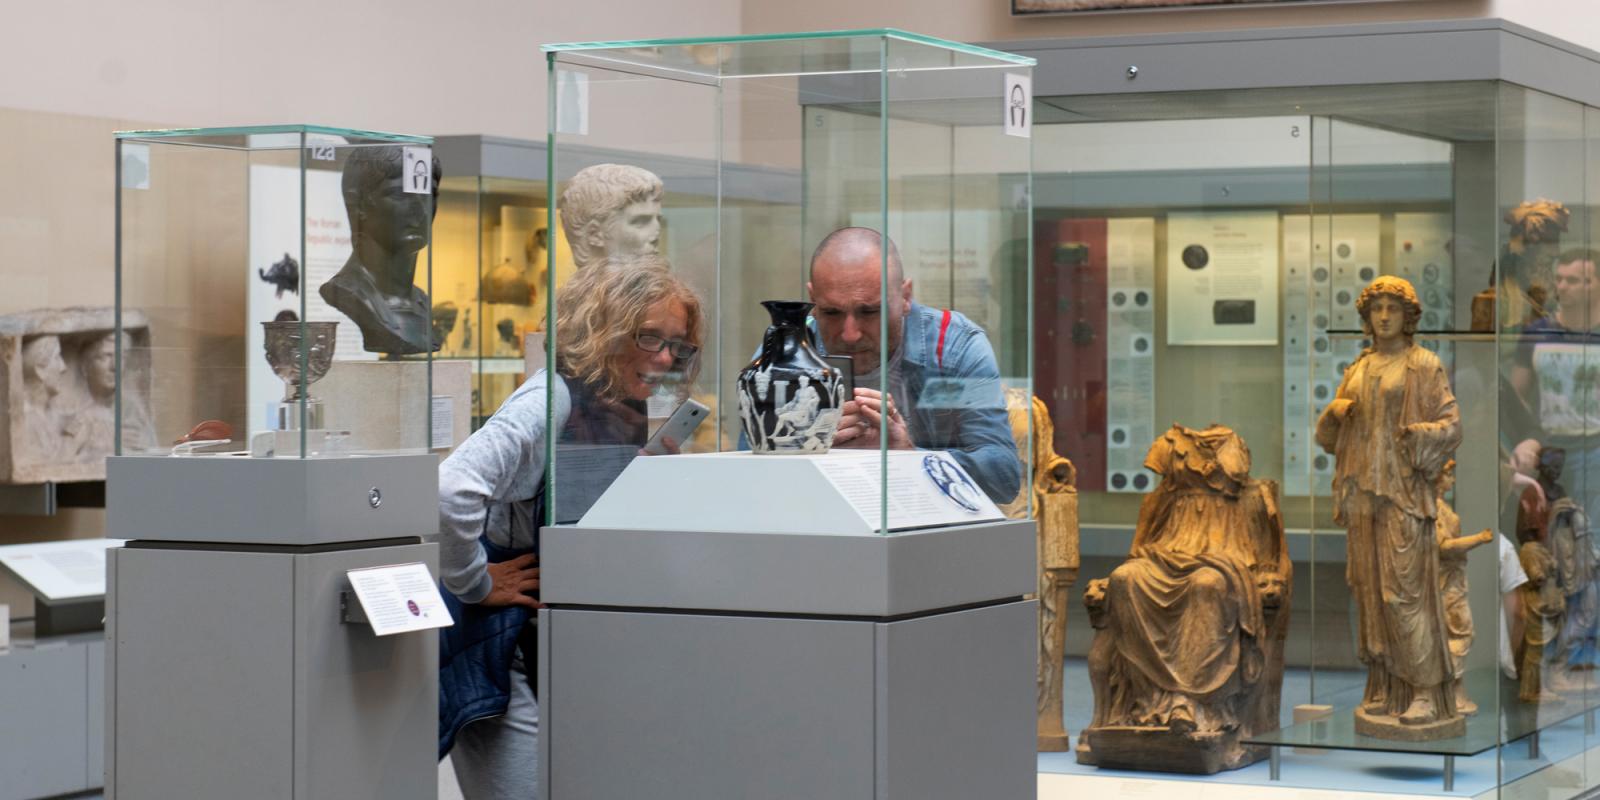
x=927 y=347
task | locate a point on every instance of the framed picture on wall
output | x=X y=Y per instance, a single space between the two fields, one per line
x=1024 y=7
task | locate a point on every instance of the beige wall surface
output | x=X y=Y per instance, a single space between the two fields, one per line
x=991 y=21
x=410 y=66
x=475 y=67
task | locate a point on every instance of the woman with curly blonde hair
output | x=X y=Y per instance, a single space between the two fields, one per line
x=1392 y=427
x=622 y=329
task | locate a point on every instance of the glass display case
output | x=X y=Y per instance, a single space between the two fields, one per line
x=494 y=227
x=927 y=156
x=1213 y=257
x=788 y=381
x=285 y=275
x=275 y=449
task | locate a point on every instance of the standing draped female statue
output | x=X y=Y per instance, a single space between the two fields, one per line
x=1392 y=427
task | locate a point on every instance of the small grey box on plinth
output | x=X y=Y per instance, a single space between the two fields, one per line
x=231 y=672
x=682 y=664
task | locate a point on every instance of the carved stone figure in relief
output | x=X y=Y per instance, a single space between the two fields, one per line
x=1392 y=427
x=376 y=288
x=612 y=210
x=1053 y=500
x=60 y=384
x=1187 y=659
x=92 y=430
x=44 y=375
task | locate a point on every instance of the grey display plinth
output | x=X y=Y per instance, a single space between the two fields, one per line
x=692 y=665
x=277 y=501
x=231 y=672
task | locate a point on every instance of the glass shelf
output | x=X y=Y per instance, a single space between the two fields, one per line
x=1337 y=731
x=1448 y=336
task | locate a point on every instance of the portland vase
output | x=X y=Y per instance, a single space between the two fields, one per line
x=789 y=398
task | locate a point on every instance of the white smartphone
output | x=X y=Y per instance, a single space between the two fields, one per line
x=678 y=427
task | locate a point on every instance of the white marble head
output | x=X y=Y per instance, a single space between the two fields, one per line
x=612 y=210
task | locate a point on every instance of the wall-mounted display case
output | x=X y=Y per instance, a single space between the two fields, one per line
x=1208 y=214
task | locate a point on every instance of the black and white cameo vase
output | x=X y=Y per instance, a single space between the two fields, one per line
x=789 y=398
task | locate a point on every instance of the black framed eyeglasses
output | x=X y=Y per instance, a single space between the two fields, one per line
x=651 y=343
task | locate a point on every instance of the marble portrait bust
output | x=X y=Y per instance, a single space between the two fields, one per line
x=612 y=210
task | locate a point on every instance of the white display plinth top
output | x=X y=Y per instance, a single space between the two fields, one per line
x=55 y=571
x=839 y=492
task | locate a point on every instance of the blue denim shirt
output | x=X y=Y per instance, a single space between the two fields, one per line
x=956 y=402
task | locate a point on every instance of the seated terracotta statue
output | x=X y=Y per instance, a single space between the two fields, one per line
x=1188 y=654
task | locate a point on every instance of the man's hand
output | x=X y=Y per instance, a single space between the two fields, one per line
x=514 y=582
x=863 y=419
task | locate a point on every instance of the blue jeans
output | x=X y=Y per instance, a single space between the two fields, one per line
x=476 y=655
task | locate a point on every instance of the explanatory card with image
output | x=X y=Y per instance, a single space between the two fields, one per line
x=1222 y=278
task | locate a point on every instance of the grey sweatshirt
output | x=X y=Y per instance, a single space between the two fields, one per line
x=489 y=483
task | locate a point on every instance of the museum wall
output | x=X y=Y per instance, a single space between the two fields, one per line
x=56 y=249
x=410 y=66
x=991 y=20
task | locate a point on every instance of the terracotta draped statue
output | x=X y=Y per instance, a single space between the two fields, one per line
x=1054 y=497
x=1392 y=427
x=1187 y=658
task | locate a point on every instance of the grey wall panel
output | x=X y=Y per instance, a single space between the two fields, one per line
x=956 y=697
x=43 y=740
x=366 y=713
x=204 y=672
x=697 y=707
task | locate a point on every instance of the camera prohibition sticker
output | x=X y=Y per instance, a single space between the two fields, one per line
x=1018 y=107
x=417 y=170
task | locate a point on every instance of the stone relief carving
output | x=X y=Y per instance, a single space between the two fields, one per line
x=60 y=393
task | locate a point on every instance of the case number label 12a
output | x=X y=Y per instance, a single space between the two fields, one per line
x=323 y=152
